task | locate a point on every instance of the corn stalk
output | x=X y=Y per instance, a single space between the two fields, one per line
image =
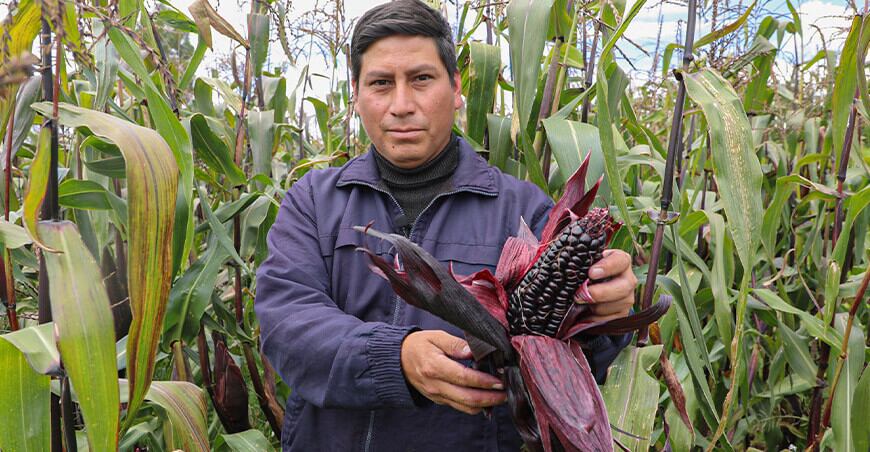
x=674 y=155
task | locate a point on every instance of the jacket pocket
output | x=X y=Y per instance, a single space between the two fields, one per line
x=349 y=240
x=353 y=286
x=466 y=258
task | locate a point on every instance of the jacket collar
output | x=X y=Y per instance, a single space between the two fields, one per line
x=472 y=173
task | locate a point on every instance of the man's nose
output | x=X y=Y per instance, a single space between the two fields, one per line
x=403 y=102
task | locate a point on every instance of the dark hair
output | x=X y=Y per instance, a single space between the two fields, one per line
x=402 y=17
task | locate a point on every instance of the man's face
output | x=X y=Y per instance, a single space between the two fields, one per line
x=405 y=99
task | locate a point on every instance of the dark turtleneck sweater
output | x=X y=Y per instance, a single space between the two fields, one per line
x=415 y=188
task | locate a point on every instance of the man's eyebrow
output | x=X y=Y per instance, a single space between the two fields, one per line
x=376 y=73
x=422 y=68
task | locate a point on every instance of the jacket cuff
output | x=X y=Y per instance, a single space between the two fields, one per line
x=384 y=352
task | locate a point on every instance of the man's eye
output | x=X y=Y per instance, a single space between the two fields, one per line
x=424 y=77
x=380 y=83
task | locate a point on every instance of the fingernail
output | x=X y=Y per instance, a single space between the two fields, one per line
x=583 y=292
x=498 y=386
x=596 y=272
x=466 y=350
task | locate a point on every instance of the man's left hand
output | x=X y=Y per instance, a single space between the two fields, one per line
x=613 y=298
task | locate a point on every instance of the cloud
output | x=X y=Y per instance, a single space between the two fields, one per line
x=830 y=18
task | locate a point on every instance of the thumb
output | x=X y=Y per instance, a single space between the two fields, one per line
x=452 y=346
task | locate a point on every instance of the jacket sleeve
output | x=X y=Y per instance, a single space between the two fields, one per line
x=600 y=351
x=330 y=358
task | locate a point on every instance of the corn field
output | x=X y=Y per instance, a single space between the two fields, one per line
x=137 y=194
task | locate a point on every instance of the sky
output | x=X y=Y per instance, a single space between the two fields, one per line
x=832 y=17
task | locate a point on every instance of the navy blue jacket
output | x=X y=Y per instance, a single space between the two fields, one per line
x=333 y=329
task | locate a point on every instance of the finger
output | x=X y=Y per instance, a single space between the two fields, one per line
x=614 y=289
x=469 y=400
x=613 y=263
x=604 y=318
x=622 y=307
x=455 y=373
x=452 y=346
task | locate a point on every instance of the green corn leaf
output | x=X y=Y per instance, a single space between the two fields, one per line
x=247 y=441
x=758 y=94
x=185 y=407
x=37 y=184
x=570 y=142
x=89 y=195
x=528 y=22
x=275 y=95
x=722 y=300
x=258 y=35
x=218 y=230
x=533 y=165
x=692 y=353
x=860 y=413
x=229 y=210
x=813 y=325
x=321 y=112
x=193 y=65
x=113 y=167
x=861 y=51
x=691 y=308
x=609 y=150
x=37 y=343
x=853 y=207
x=611 y=42
x=13 y=236
x=261 y=125
x=735 y=165
x=170 y=128
x=841 y=414
x=631 y=395
x=773 y=215
x=720 y=33
x=500 y=143
x=797 y=352
x=190 y=296
x=29 y=93
x=107 y=62
x=21 y=30
x=213 y=150
x=795 y=17
x=233 y=100
x=845 y=84
x=482 y=74
x=85 y=331
x=152 y=185
x=25 y=400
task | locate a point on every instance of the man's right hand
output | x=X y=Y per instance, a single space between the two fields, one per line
x=429 y=364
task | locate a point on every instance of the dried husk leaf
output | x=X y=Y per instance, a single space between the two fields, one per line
x=426 y=284
x=563 y=393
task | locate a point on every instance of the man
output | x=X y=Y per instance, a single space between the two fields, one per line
x=364 y=367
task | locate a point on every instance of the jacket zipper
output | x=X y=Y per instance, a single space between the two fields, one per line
x=397 y=300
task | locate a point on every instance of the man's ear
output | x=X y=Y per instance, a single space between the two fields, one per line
x=457 y=90
x=354 y=94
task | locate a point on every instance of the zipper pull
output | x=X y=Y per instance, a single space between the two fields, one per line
x=402 y=225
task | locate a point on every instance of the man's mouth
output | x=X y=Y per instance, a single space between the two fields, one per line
x=405 y=133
